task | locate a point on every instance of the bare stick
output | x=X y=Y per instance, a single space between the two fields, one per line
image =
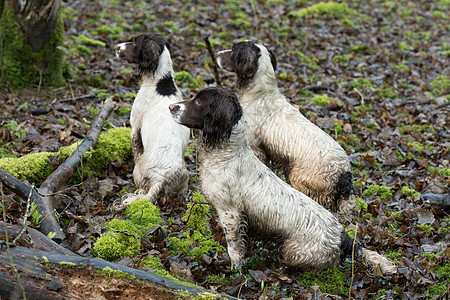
x=43 y=198
x=7 y=246
x=214 y=62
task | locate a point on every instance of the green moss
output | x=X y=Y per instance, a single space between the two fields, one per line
x=326 y=8
x=303 y=58
x=419 y=146
x=388 y=92
x=401 y=68
x=435 y=290
x=19 y=65
x=173 y=27
x=406 y=191
x=123 y=236
x=112 y=245
x=143 y=214
x=363 y=49
x=33 y=167
x=439 y=171
x=110 y=273
x=383 y=191
x=360 y=203
x=440 y=86
x=403 y=46
x=113 y=145
x=338 y=126
x=361 y=82
x=190 y=238
x=196 y=214
x=66 y=263
x=184 y=78
x=84 y=40
x=320 y=100
x=155 y=263
x=427 y=227
x=331 y=281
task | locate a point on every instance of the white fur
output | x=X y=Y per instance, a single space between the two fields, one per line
x=312 y=160
x=160 y=170
x=246 y=193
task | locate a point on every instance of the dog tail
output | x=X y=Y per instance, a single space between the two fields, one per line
x=377 y=263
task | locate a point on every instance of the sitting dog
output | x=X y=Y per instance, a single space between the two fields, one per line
x=248 y=196
x=312 y=161
x=158 y=142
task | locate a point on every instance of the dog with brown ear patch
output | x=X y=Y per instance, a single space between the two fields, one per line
x=250 y=200
x=158 y=142
x=312 y=161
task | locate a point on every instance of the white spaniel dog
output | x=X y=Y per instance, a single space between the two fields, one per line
x=250 y=200
x=158 y=142
x=313 y=162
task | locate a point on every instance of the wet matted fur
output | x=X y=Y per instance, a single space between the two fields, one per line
x=158 y=142
x=250 y=200
x=313 y=162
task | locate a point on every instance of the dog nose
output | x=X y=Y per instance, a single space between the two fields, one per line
x=173 y=107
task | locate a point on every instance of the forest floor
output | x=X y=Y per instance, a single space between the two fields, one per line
x=374 y=74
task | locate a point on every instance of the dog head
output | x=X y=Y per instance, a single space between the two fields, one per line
x=245 y=58
x=214 y=110
x=145 y=50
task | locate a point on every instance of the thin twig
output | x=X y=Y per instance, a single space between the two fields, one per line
x=353 y=259
x=27 y=211
x=361 y=95
x=214 y=61
x=240 y=288
x=76 y=98
x=40 y=77
x=7 y=244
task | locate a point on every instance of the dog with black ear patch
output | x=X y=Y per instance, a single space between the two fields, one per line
x=250 y=200
x=313 y=162
x=158 y=142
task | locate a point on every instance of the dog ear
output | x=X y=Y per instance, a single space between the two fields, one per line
x=149 y=52
x=223 y=114
x=246 y=64
x=273 y=59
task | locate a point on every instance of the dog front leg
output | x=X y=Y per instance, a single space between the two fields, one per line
x=234 y=227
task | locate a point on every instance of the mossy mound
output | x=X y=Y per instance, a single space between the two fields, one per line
x=196 y=215
x=113 y=145
x=331 y=281
x=123 y=236
x=191 y=238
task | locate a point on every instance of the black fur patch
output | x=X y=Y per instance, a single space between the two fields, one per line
x=150 y=47
x=347 y=246
x=245 y=56
x=224 y=112
x=166 y=86
x=344 y=187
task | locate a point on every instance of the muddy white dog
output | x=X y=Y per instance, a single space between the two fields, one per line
x=158 y=142
x=313 y=162
x=250 y=200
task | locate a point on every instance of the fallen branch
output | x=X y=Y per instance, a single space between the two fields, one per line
x=214 y=61
x=43 y=197
x=39 y=265
x=76 y=98
x=34 y=239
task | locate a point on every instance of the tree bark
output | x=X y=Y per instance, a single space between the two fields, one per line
x=30 y=33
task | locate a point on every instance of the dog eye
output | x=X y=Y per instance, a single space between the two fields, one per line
x=197 y=102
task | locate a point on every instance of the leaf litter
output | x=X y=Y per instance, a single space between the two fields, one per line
x=386 y=73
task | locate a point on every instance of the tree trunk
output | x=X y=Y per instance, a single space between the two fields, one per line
x=30 y=33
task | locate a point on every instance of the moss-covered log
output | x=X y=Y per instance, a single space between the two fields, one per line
x=113 y=145
x=31 y=33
